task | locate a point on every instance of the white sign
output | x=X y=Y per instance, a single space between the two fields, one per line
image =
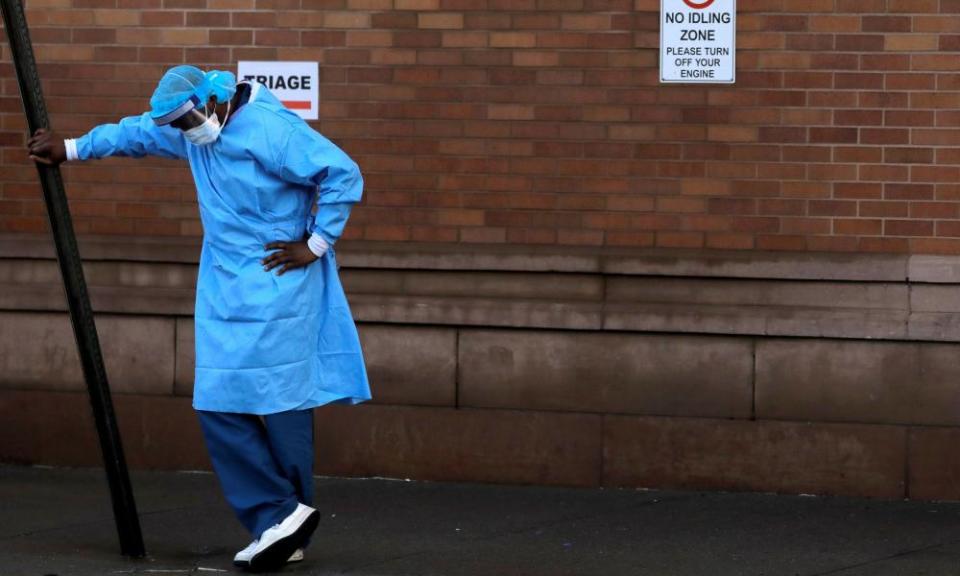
x=698 y=41
x=296 y=84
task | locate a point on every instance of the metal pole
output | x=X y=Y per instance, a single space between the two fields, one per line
x=81 y=314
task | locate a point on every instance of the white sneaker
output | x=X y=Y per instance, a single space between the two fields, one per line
x=242 y=559
x=279 y=543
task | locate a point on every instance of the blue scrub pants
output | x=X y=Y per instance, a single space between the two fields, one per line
x=265 y=464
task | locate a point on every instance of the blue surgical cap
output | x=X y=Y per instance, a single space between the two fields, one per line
x=183 y=88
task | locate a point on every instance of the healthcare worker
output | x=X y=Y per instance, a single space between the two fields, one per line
x=274 y=334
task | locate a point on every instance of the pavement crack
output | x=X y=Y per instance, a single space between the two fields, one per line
x=886 y=558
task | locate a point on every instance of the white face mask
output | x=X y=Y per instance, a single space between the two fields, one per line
x=208 y=132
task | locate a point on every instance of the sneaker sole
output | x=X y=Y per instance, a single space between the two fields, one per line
x=246 y=563
x=276 y=556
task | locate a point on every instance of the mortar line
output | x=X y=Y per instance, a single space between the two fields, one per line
x=906 y=462
x=458 y=366
x=753 y=382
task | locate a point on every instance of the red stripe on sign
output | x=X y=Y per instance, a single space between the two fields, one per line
x=297 y=104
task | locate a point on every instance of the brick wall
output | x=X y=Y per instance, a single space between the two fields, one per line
x=542 y=121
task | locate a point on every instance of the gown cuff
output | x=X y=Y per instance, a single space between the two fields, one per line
x=318 y=245
x=71 y=145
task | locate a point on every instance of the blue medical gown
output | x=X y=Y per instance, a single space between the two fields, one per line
x=264 y=343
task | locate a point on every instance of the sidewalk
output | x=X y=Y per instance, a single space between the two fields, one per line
x=55 y=521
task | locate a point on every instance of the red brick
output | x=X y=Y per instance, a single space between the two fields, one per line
x=913 y=6
x=886 y=24
x=781 y=243
x=808 y=153
x=912 y=118
x=883 y=99
x=935 y=210
x=884 y=173
x=832 y=208
x=860 y=154
x=908 y=155
x=855 y=43
x=833 y=135
x=858 y=117
x=895 y=191
x=884 y=209
x=858 y=226
x=814 y=42
x=208 y=19
x=857 y=190
x=923 y=228
x=834 y=23
x=884 y=136
x=809 y=227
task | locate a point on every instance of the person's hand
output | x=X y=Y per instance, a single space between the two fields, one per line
x=288 y=255
x=46 y=147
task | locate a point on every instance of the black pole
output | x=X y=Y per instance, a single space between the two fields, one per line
x=81 y=314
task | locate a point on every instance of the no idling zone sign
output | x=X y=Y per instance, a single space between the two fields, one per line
x=698 y=41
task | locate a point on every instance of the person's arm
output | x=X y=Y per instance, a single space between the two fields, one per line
x=309 y=159
x=134 y=136
x=312 y=160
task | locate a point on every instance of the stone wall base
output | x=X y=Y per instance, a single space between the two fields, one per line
x=522 y=447
x=762 y=372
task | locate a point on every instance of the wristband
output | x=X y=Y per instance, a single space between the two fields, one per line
x=318 y=245
x=71 y=146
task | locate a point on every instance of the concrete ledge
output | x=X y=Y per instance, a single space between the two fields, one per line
x=460 y=445
x=477 y=312
x=507 y=446
x=110 y=248
x=934 y=326
x=935 y=312
x=186 y=358
x=789 y=457
x=844 y=381
x=607 y=373
x=411 y=365
x=57 y=429
x=500 y=257
x=762 y=265
x=483 y=286
x=759 y=293
x=874 y=382
x=406 y=365
x=934 y=464
x=759 y=321
x=935 y=269
x=533 y=365
x=103 y=299
x=38 y=351
x=696 y=318
x=461 y=284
